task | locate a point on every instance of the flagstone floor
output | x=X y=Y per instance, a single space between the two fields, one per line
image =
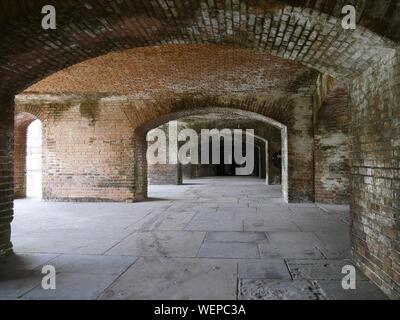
x=211 y=238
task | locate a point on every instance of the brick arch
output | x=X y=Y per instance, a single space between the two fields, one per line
x=269 y=138
x=23 y=119
x=31 y=111
x=92 y=28
x=277 y=111
x=204 y=108
x=261 y=144
x=140 y=143
x=310 y=33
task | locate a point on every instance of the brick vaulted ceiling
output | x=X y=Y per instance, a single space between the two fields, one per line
x=307 y=31
x=156 y=72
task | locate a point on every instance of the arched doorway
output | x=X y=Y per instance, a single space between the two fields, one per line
x=143 y=130
x=34 y=160
x=27 y=156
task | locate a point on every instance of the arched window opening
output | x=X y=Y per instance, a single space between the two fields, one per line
x=34 y=160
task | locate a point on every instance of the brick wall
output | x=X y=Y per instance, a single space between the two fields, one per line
x=87 y=151
x=300 y=149
x=88 y=154
x=375 y=201
x=165 y=173
x=6 y=173
x=20 y=140
x=332 y=147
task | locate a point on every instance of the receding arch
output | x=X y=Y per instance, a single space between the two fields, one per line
x=141 y=142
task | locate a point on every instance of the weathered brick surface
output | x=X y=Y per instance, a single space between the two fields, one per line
x=6 y=173
x=296 y=114
x=375 y=201
x=166 y=173
x=210 y=70
x=309 y=32
x=201 y=78
x=87 y=150
x=332 y=147
x=306 y=31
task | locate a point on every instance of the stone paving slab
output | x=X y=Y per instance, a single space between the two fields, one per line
x=176 y=221
x=160 y=243
x=98 y=231
x=63 y=243
x=251 y=289
x=25 y=262
x=291 y=250
x=72 y=286
x=319 y=269
x=336 y=251
x=210 y=221
x=293 y=237
x=365 y=290
x=269 y=225
x=229 y=250
x=336 y=237
x=94 y=264
x=15 y=283
x=219 y=236
x=171 y=278
x=264 y=269
x=320 y=225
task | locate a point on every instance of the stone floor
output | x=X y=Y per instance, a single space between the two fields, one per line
x=219 y=238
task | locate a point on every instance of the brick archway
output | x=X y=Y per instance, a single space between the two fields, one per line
x=309 y=33
x=293 y=184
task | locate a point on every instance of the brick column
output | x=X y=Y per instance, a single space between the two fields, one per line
x=165 y=174
x=6 y=173
x=89 y=152
x=332 y=148
x=263 y=162
x=169 y=173
x=20 y=143
x=140 y=167
x=257 y=162
x=187 y=171
x=300 y=150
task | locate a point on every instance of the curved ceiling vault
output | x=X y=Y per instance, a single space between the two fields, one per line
x=309 y=32
x=166 y=71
